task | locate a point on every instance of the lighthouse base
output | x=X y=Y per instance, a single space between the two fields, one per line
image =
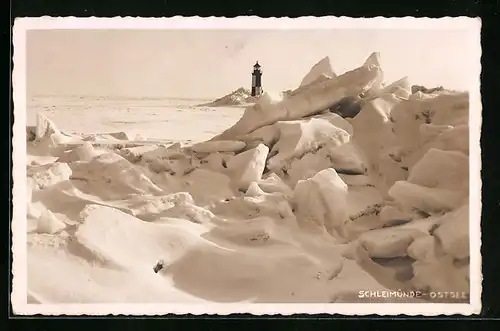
x=256 y=91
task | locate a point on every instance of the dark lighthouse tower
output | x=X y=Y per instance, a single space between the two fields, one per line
x=256 y=80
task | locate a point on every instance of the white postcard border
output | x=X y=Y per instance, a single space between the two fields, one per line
x=19 y=226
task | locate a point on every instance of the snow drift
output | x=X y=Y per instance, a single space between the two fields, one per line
x=300 y=201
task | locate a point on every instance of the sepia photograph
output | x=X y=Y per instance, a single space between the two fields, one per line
x=249 y=165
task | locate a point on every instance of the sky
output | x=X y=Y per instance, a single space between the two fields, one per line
x=212 y=63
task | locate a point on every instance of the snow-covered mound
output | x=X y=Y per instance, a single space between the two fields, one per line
x=347 y=184
x=238 y=97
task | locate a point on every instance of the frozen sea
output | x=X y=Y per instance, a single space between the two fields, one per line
x=172 y=119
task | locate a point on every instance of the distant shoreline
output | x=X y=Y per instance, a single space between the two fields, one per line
x=115 y=97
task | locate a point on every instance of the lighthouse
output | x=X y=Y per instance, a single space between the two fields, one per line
x=256 y=80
